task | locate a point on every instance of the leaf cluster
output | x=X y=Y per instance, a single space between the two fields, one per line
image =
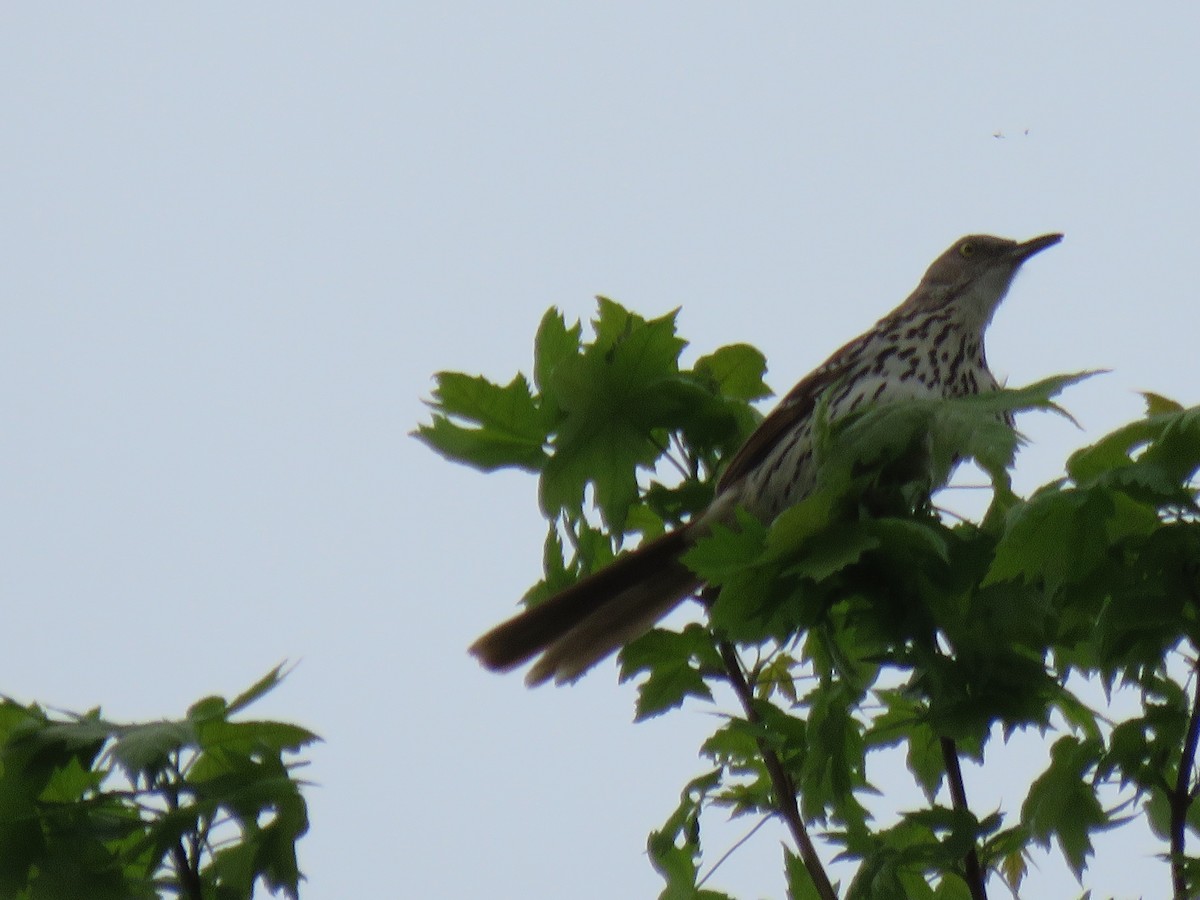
x=600 y=422
x=203 y=806
x=866 y=619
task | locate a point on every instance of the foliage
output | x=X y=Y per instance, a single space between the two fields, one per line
x=204 y=806
x=865 y=618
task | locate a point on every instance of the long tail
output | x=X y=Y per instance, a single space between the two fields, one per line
x=580 y=626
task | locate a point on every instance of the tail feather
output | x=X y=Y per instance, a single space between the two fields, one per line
x=626 y=616
x=583 y=624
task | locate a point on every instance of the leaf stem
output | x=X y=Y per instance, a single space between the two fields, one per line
x=781 y=782
x=958 y=796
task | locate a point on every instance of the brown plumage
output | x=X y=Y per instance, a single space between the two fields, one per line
x=929 y=346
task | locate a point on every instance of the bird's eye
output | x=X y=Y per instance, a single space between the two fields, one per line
x=966 y=248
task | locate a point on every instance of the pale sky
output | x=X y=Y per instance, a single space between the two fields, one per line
x=239 y=238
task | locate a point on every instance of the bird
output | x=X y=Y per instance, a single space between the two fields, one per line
x=930 y=346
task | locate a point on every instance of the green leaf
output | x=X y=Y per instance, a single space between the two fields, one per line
x=1156 y=404
x=144 y=749
x=1176 y=451
x=675 y=663
x=1063 y=805
x=208 y=708
x=501 y=426
x=800 y=885
x=667 y=688
x=252 y=738
x=258 y=690
x=554 y=343
x=936 y=433
x=835 y=759
x=795 y=527
x=916 y=538
x=1110 y=452
x=925 y=760
x=1058 y=537
x=737 y=370
x=70 y=783
x=612 y=400
x=727 y=551
x=833 y=550
x=905 y=721
x=952 y=887
x=234 y=868
x=1153 y=460
x=1078 y=714
x=674 y=849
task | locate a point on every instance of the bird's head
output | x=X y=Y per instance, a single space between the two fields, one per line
x=975 y=274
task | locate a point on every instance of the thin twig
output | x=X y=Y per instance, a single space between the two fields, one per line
x=781 y=782
x=958 y=796
x=692 y=462
x=1181 y=799
x=665 y=451
x=728 y=853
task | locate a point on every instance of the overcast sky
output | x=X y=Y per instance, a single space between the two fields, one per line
x=239 y=238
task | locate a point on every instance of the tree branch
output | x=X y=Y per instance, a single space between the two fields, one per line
x=958 y=796
x=785 y=790
x=1181 y=797
x=187 y=868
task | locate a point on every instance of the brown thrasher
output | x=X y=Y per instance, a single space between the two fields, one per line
x=931 y=345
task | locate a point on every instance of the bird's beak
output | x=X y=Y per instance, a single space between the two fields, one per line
x=1022 y=252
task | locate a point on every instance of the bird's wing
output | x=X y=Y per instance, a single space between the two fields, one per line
x=792 y=409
